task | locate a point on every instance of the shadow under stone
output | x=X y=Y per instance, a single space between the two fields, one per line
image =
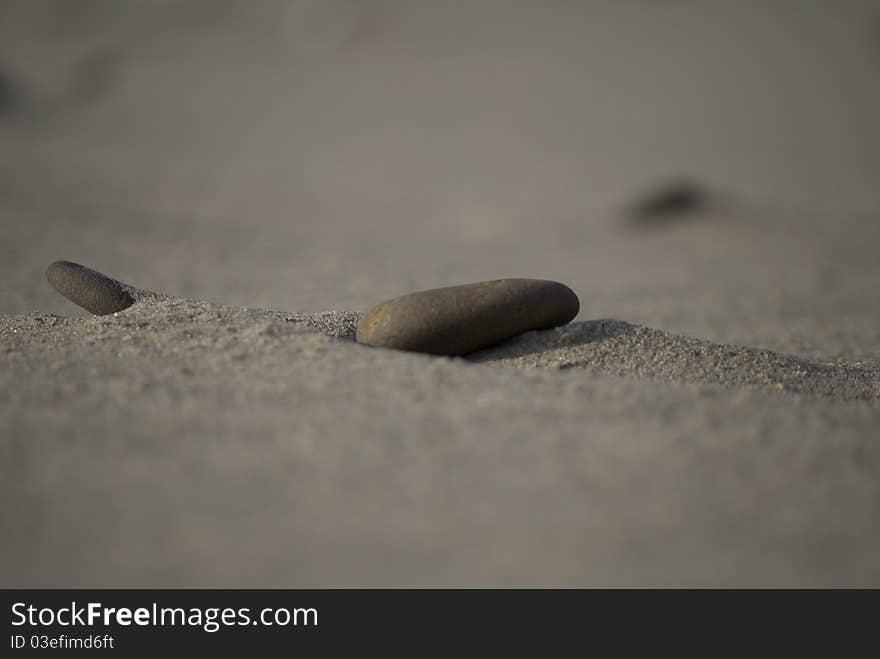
x=538 y=341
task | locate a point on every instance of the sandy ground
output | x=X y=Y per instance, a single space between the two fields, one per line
x=712 y=417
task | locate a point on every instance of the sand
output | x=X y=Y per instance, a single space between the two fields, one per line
x=710 y=418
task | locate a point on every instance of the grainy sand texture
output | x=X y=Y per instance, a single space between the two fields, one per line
x=273 y=170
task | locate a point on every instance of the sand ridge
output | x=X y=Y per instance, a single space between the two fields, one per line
x=608 y=346
x=625 y=349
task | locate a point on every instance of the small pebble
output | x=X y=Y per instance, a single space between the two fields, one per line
x=94 y=292
x=461 y=319
x=674 y=199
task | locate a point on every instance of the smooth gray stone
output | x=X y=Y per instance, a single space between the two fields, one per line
x=461 y=319
x=94 y=292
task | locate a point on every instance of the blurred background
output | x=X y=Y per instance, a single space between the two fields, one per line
x=709 y=168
